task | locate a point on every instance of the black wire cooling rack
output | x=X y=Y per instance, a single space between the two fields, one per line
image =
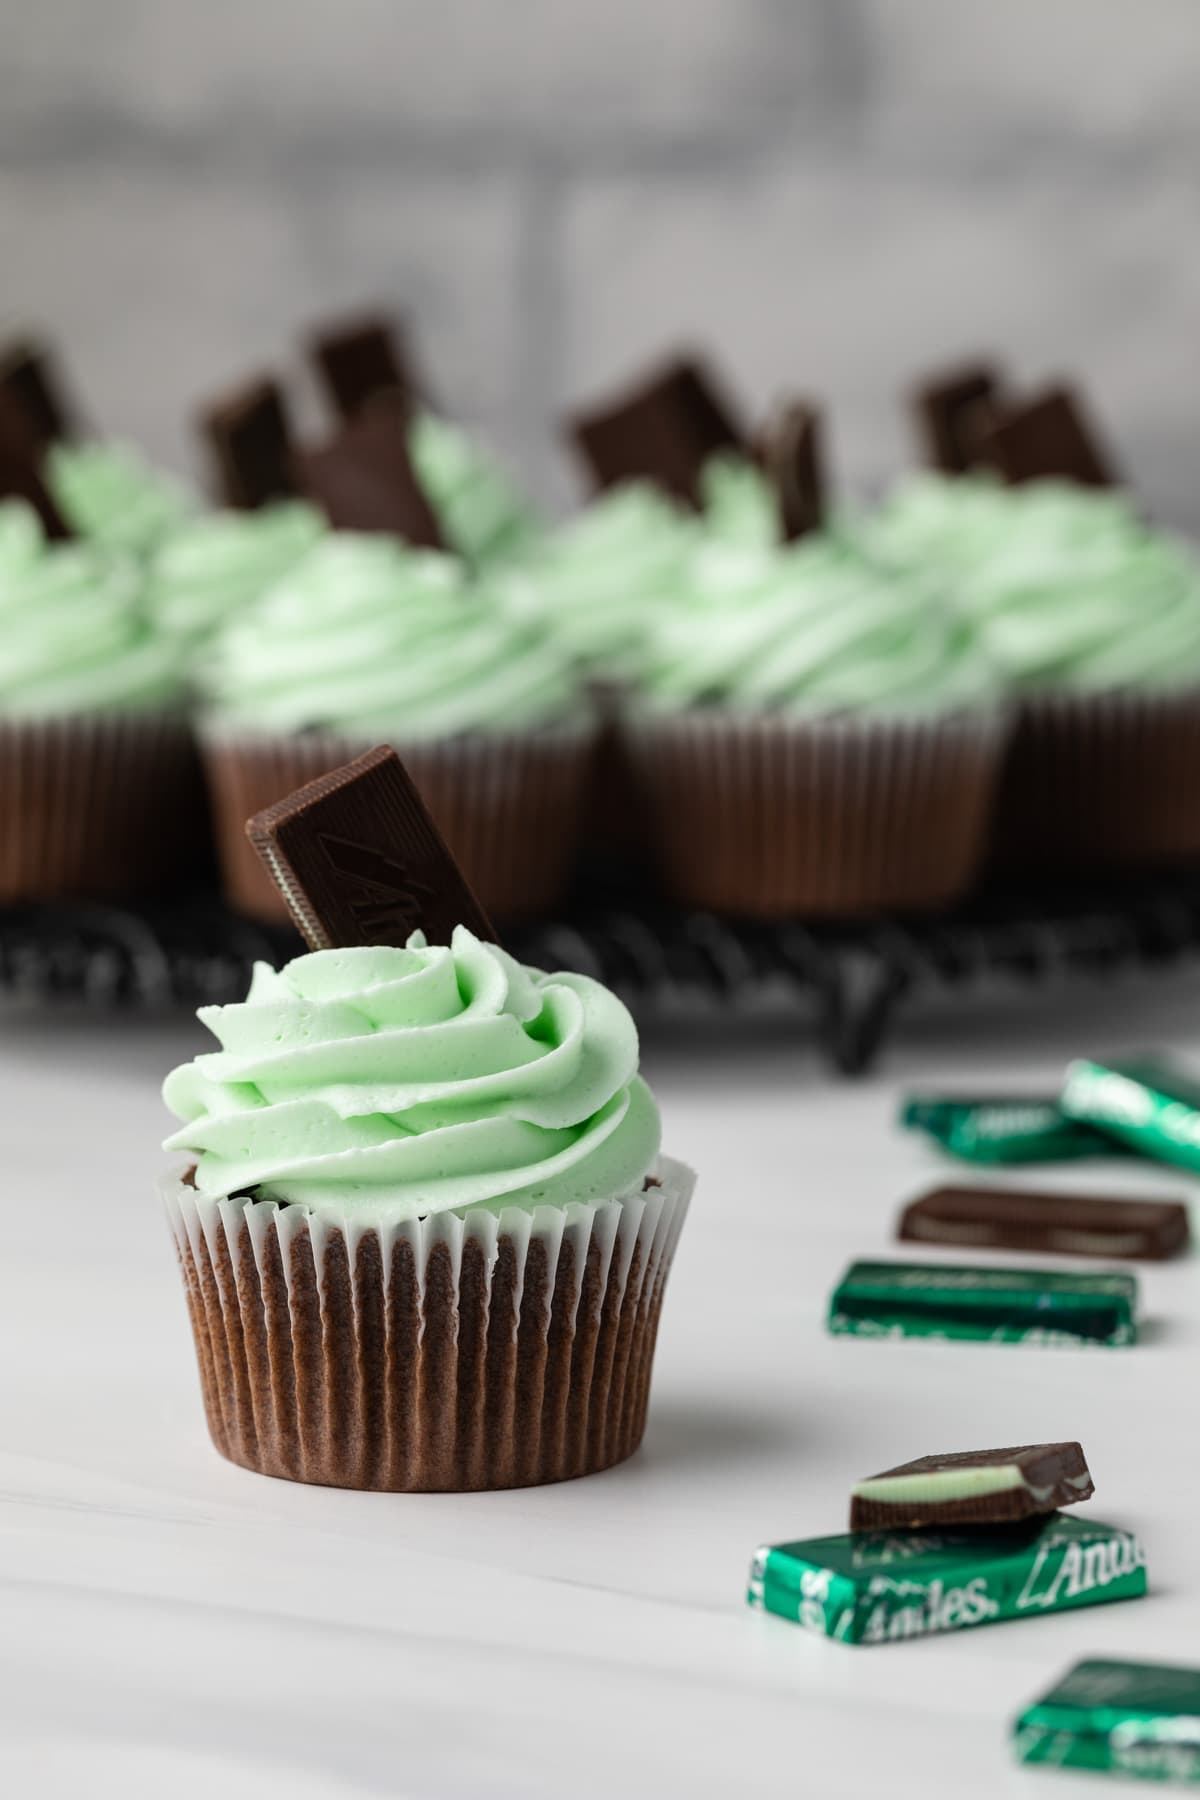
x=854 y=975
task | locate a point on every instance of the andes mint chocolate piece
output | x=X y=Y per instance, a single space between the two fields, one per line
x=1117 y=1718
x=20 y=473
x=998 y=1306
x=1009 y=1128
x=250 y=437
x=1144 y=1104
x=359 y=860
x=664 y=430
x=1062 y=1224
x=364 y=479
x=972 y=1487
x=31 y=385
x=1049 y=435
x=790 y=451
x=952 y=410
x=359 y=360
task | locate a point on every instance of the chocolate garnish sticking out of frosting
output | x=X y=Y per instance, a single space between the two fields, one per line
x=360 y=359
x=790 y=451
x=20 y=471
x=250 y=437
x=363 y=478
x=663 y=430
x=31 y=386
x=359 y=860
x=1048 y=436
x=952 y=410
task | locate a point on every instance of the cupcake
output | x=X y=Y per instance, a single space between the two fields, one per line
x=99 y=785
x=1094 y=620
x=208 y=568
x=815 y=738
x=369 y=640
x=425 y=1226
x=481 y=515
x=110 y=497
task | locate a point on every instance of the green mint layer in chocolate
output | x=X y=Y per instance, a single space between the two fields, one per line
x=1146 y=1104
x=1004 y=1306
x=1006 y=1129
x=1140 y=1719
x=878 y=1587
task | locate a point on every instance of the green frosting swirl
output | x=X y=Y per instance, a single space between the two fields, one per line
x=107 y=494
x=21 y=537
x=74 y=636
x=813 y=631
x=208 y=568
x=739 y=506
x=369 y=636
x=481 y=514
x=417 y=1081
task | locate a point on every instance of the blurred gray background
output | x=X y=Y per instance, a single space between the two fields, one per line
x=833 y=194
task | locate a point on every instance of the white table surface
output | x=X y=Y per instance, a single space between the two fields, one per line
x=173 y=1626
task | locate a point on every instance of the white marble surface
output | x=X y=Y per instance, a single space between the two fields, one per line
x=170 y=1625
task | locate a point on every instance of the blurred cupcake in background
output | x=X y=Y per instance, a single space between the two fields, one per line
x=99 y=783
x=815 y=738
x=110 y=496
x=369 y=641
x=208 y=568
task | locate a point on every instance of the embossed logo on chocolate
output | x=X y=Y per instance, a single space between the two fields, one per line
x=382 y=893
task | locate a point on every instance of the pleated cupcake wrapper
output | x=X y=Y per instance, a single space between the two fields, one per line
x=97 y=805
x=771 y=817
x=1101 y=780
x=510 y=804
x=447 y=1354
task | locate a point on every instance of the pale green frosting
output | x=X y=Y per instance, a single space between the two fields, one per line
x=108 y=494
x=599 y=581
x=74 y=636
x=739 y=504
x=207 y=569
x=417 y=1081
x=369 y=636
x=21 y=537
x=480 y=512
x=813 y=631
x=1065 y=587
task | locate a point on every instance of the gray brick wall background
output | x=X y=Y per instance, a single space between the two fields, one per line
x=833 y=194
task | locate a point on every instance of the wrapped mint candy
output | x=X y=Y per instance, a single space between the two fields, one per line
x=1145 y=1104
x=1009 y=1129
x=878 y=1587
x=1000 y=1306
x=1117 y=1718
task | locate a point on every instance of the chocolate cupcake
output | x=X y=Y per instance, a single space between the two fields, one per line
x=815 y=739
x=369 y=640
x=99 y=784
x=425 y=1225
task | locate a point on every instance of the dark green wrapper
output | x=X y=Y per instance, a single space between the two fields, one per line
x=1140 y=1719
x=1006 y=1129
x=1002 y=1306
x=880 y=1587
x=1145 y=1104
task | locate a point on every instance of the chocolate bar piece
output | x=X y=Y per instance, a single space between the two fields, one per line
x=359 y=860
x=250 y=437
x=881 y=1587
x=664 y=430
x=30 y=384
x=360 y=359
x=952 y=410
x=1118 y=1718
x=1144 y=1104
x=999 y=1306
x=364 y=479
x=1008 y=1128
x=790 y=450
x=989 y=1218
x=1048 y=436
x=20 y=473
x=972 y=1487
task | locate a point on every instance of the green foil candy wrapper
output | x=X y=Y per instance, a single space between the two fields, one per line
x=1009 y=1129
x=1000 y=1306
x=1147 y=1105
x=879 y=1587
x=1118 y=1718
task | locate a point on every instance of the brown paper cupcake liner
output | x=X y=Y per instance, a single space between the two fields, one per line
x=769 y=817
x=1101 y=780
x=98 y=806
x=510 y=805
x=453 y=1353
